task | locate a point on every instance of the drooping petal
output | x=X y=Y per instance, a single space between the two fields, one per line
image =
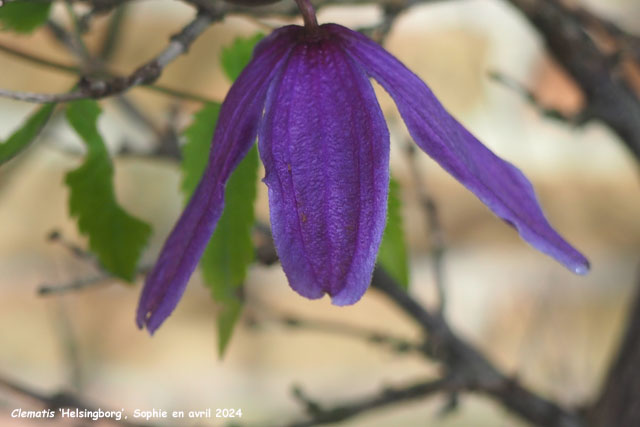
x=235 y=132
x=325 y=147
x=497 y=183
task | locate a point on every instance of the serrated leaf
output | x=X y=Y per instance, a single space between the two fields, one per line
x=225 y=261
x=393 y=249
x=24 y=16
x=236 y=56
x=227 y=258
x=116 y=237
x=226 y=320
x=21 y=138
x=229 y=253
x=195 y=151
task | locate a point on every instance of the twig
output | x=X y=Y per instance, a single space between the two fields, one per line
x=436 y=233
x=59 y=400
x=387 y=397
x=144 y=75
x=114 y=33
x=77 y=70
x=464 y=360
x=395 y=343
x=78 y=43
x=551 y=113
x=101 y=278
x=69 y=346
x=39 y=60
x=380 y=31
x=609 y=97
x=617 y=403
x=75 y=250
x=470 y=368
x=625 y=43
x=76 y=285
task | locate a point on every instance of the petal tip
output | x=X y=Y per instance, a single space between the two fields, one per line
x=342 y=298
x=582 y=268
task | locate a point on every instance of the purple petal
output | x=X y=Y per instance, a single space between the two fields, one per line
x=235 y=132
x=497 y=183
x=325 y=147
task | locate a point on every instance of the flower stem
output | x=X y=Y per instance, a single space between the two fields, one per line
x=308 y=15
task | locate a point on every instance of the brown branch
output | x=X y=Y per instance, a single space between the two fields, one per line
x=70 y=69
x=59 y=400
x=625 y=43
x=551 y=113
x=609 y=97
x=395 y=343
x=571 y=35
x=436 y=233
x=464 y=361
x=387 y=397
x=618 y=404
x=144 y=75
x=464 y=364
x=75 y=285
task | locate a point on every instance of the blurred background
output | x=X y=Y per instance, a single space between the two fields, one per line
x=533 y=318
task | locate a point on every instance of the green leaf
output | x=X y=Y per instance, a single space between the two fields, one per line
x=230 y=251
x=116 y=237
x=235 y=57
x=226 y=259
x=24 y=16
x=226 y=320
x=26 y=134
x=195 y=151
x=393 y=249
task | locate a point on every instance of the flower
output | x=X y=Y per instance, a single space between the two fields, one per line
x=324 y=143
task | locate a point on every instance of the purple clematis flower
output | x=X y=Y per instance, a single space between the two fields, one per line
x=324 y=143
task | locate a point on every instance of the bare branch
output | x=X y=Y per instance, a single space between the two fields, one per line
x=395 y=343
x=144 y=75
x=436 y=233
x=609 y=96
x=58 y=400
x=466 y=362
x=471 y=370
x=387 y=397
x=617 y=404
x=76 y=285
x=551 y=113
